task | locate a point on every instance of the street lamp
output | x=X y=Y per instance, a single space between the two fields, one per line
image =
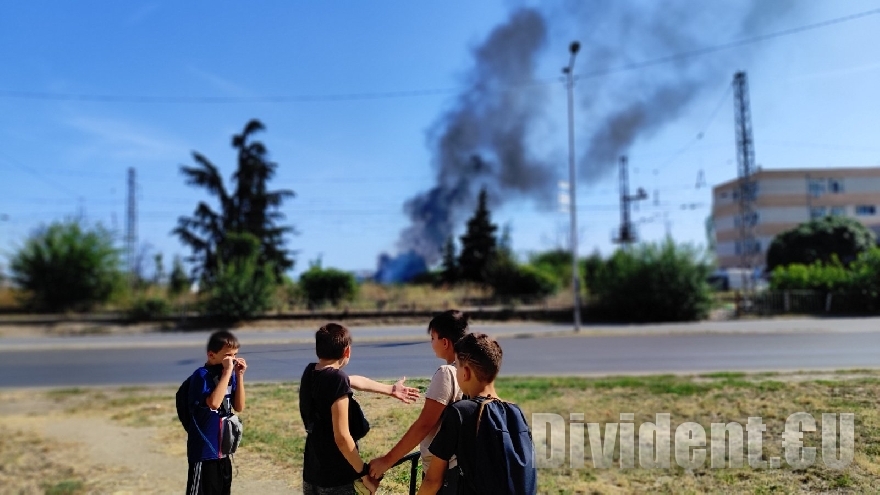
x=575 y=278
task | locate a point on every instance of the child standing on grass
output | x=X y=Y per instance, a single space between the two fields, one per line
x=445 y=330
x=489 y=437
x=333 y=419
x=216 y=391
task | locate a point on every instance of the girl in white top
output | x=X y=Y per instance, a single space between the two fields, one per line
x=445 y=330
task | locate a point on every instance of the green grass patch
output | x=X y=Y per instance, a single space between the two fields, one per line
x=273 y=427
x=65 y=487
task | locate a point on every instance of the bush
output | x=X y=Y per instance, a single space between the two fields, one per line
x=242 y=288
x=509 y=279
x=820 y=240
x=148 y=308
x=654 y=283
x=856 y=288
x=327 y=285
x=68 y=265
x=556 y=263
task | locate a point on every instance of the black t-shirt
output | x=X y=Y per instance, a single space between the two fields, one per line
x=324 y=465
x=457 y=436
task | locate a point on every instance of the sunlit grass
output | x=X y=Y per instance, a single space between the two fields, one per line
x=274 y=430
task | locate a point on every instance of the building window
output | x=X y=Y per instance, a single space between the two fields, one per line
x=817 y=212
x=838 y=211
x=866 y=210
x=835 y=186
x=817 y=188
x=754 y=247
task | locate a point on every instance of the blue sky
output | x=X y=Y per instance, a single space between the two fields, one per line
x=354 y=160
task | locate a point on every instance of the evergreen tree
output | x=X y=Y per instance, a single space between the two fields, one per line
x=450 y=265
x=178 y=281
x=250 y=209
x=478 y=244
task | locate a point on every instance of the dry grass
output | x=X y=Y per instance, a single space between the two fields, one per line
x=274 y=435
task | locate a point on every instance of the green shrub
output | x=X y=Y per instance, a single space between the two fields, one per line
x=854 y=288
x=821 y=240
x=327 y=285
x=242 y=288
x=556 y=263
x=654 y=283
x=148 y=308
x=68 y=265
x=511 y=280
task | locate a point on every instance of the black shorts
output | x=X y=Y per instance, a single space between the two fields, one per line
x=212 y=477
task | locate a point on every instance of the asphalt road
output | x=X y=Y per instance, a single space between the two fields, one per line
x=573 y=355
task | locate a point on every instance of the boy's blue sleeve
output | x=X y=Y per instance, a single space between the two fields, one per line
x=200 y=387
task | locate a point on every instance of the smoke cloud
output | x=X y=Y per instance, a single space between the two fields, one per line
x=487 y=137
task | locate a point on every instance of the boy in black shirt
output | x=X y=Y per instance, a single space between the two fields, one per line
x=334 y=421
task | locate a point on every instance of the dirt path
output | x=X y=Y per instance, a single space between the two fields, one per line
x=47 y=447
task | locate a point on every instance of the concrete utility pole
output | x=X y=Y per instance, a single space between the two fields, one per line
x=131 y=223
x=572 y=180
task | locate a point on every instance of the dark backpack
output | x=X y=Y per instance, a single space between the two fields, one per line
x=181 y=399
x=505 y=454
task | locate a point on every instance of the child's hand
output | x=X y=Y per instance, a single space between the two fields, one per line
x=378 y=466
x=405 y=394
x=367 y=484
x=240 y=366
x=228 y=363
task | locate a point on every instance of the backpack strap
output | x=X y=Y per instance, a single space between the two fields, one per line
x=483 y=403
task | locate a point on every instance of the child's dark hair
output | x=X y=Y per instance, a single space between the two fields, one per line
x=482 y=353
x=222 y=339
x=331 y=341
x=451 y=324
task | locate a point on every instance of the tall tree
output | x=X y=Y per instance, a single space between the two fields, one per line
x=178 y=281
x=450 y=265
x=478 y=244
x=251 y=208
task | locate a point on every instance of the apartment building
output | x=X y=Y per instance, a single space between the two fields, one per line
x=787 y=198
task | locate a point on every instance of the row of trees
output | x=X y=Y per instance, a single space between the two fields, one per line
x=239 y=258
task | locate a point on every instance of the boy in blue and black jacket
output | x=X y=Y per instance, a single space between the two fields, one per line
x=216 y=392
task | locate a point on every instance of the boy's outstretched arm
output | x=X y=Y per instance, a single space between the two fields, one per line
x=238 y=400
x=399 y=391
x=434 y=477
x=427 y=420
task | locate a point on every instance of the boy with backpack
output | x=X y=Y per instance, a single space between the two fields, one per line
x=445 y=330
x=206 y=405
x=489 y=437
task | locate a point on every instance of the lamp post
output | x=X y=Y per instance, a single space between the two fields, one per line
x=575 y=278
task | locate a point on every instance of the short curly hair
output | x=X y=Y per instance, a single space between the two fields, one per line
x=482 y=353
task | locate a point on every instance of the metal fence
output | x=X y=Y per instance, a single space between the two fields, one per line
x=791 y=302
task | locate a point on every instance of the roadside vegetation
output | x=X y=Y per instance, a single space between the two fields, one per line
x=274 y=436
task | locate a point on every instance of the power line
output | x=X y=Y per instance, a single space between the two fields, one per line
x=40 y=176
x=312 y=98
x=732 y=44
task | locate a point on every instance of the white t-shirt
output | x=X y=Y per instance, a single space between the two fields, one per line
x=445 y=390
